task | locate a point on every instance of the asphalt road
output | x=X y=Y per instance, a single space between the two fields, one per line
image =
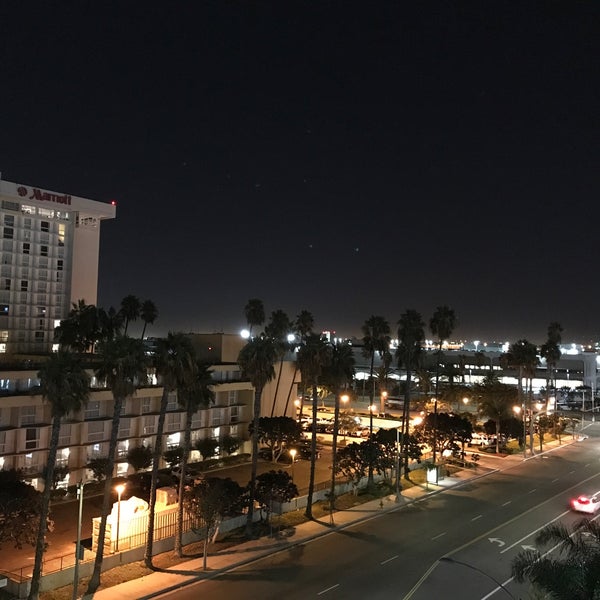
x=481 y=526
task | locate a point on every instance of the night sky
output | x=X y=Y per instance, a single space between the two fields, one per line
x=348 y=158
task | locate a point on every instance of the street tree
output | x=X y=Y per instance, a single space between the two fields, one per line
x=173 y=361
x=256 y=360
x=274 y=486
x=254 y=312
x=208 y=502
x=99 y=467
x=148 y=314
x=20 y=510
x=230 y=444
x=550 y=352
x=195 y=392
x=441 y=324
x=303 y=326
x=376 y=340
x=130 y=310
x=571 y=571
x=277 y=434
x=207 y=447
x=278 y=328
x=496 y=401
x=122 y=364
x=312 y=358
x=452 y=432
x=65 y=384
x=411 y=333
x=139 y=457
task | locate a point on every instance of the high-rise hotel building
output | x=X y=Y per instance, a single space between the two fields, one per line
x=50 y=250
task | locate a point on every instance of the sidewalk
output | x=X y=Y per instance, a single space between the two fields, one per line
x=188 y=572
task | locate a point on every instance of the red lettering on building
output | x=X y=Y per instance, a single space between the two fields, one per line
x=37 y=194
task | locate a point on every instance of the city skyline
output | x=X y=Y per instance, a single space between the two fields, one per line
x=337 y=158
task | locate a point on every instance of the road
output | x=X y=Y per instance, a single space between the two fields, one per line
x=480 y=526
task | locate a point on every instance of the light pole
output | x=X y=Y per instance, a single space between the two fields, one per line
x=119 y=489
x=398 y=464
x=297 y=404
x=384 y=396
x=517 y=410
x=78 y=546
x=293 y=452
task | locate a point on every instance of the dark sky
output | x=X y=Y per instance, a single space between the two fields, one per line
x=348 y=158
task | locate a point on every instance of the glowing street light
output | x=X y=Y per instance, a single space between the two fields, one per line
x=119 y=489
x=384 y=396
x=298 y=404
x=517 y=410
x=293 y=453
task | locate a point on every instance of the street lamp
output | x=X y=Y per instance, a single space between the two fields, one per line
x=447 y=559
x=397 y=464
x=119 y=489
x=293 y=453
x=384 y=396
x=298 y=404
x=78 y=547
x=517 y=410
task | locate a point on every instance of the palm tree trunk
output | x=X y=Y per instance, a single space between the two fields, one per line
x=287 y=400
x=154 y=479
x=405 y=419
x=252 y=490
x=94 y=582
x=336 y=420
x=40 y=543
x=187 y=444
x=277 y=386
x=313 y=456
x=371 y=394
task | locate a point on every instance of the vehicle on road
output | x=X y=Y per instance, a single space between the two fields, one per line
x=586 y=504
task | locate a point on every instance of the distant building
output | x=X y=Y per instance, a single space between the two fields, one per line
x=49 y=259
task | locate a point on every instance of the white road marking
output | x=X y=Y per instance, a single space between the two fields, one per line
x=328 y=589
x=507 y=503
x=438 y=536
x=389 y=560
x=477 y=517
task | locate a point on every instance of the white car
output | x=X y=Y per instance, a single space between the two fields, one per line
x=586 y=504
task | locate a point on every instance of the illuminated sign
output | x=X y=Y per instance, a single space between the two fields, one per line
x=42 y=196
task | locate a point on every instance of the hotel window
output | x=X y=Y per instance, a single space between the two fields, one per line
x=64 y=438
x=216 y=418
x=95 y=431
x=7 y=284
x=149 y=425
x=27 y=415
x=26 y=247
x=3 y=310
x=146 y=405
x=9 y=233
x=173 y=422
x=32 y=438
x=235 y=415
x=61 y=234
x=2 y=442
x=45 y=226
x=7 y=247
x=233 y=430
x=172 y=403
x=124 y=428
x=39 y=336
x=232 y=399
x=24 y=285
x=41 y=311
x=43 y=250
x=92 y=409
x=9 y=220
x=59 y=265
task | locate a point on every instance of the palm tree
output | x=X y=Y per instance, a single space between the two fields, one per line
x=196 y=392
x=312 y=358
x=148 y=314
x=442 y=324
x=255 y=313
x=411 y=333
x=174 y=359
x=81 y=329
x=122 y=365
x=65 y=384
x=571 y=571
x=130 y=309
x=278 y=329
x=496 y=401
x=256 y=360
x=550 y=351
x=302 y=327
x=336 y=376
x=376 y=338
x=522 y=355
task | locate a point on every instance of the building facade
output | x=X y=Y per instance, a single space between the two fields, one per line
x=49 y=260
